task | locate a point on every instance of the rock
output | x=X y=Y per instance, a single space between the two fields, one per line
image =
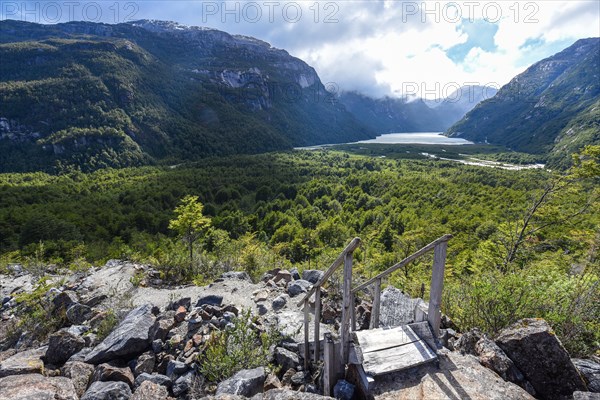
x=262 y=309
x=77 y=313
x=160 y=329
x=77 y=330
x=295 y=274
x=279 y=302
x=130 y=338
x=107 y=391
x=286 y=359
x=297 y=379
x=185 y=302
x=283 y=276
x=396 y=308
x=247 y=382
x=25 y=362
x=296 y=287
x=36 y=386
x=144 y=364
x=271 y=382
x=343 y=390
x=590 y=370
x=467 y=342
x=64 y=300
x=157 y=346
x=287 y=394
x=180 y=314
x=95 y=300
x=80 y=374
x=261 y=295
x=176 y=368
x=61 y=346
x=150 y=391
x=491 y=356
x=586 y=396
x=210 y=299
x=236 y=275
x=184 y=383
x=158 y=379
x=312 y=275
x=538 y=354
x=108 y=372
x=80 y=356
x=286 y=379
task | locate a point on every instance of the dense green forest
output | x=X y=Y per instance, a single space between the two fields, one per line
x=525 y=242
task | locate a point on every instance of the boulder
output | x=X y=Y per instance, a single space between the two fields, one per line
x=176 y=368
x=210 y=299
x=25 y=362
x=108 y=372
x=184 y=383
x=283 y=276
x=295 y=274
x=77 y=313
x=150 y=391
x=107 y=391
x=180 y=314
x=145 y=363
x=161 y=328
x=271 y=382
x=343 y=390
x=586 y=396
x=62 y=345
x=396 y=308
x=467 y=342
x=590 y=370
x=64 y=300
x=312 y=275
x=538 y=354
x=296 y=287
x=158 y=379
x=279 y=302
x=185 y=302
x=286 y=359
x=80 y=374
x=130 y=338
x=247 y=382
x=36 y=386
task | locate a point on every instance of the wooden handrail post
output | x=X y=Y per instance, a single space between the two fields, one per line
x=329 y=365
x=317 y=324
x=376 y=305
x=306 y=343
x=347 y=287
x=437 y=284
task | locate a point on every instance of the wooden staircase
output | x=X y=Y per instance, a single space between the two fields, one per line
x=379 y=350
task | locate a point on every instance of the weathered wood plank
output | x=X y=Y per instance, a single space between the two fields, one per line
x=402 y=263
x=380 y=339
x=437 y=284
x=317 y=324
x=329 y=365
x=345 y=323
x=306 y=345
x=338 y=261
x=376 y=305
x=352 y=314
x=397 y=358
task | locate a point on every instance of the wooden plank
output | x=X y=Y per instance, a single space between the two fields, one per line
x=381 y=339
x=397 y=358
x=437 y=284
x=345 y=323
x=306 y=345
x=338 y=261
x=352 y=314
x=376 y=305
x=317 y=324
x=331 y=365
x=402 y=263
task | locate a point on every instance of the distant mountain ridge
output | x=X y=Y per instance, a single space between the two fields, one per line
x=553 y=107
x=95 y=95
x=388 y=114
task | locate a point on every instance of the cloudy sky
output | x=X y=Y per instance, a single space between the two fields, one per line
x=395 y=48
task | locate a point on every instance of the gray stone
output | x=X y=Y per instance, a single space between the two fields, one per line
x=108 y=372
x=36 y=387
x=297 y=379
x=77 y=313
x=591 y=373
x=247 y=382
x=396 y=308
x=157 y=346
x=184 y=383
x=64 y=300
x=312 y=275
x=185 y=302
x=286 y=359
x=343 y=390
x=130 y=338
x=80 y=374
x=24 y=362
x=538 y=354
x=158 y=379
x=297 y=287
x=107 y=391
x=176 y=368
x=236 y=275
x=287 y=394
x=279 y=302
x=150 y=391
x=295 y=274
x=586 y=396
x=160 y=329
x=61 y=346
x=283 y=276
x=262 y=309
x=78 y=330
x=211 y=299
x=145 y=363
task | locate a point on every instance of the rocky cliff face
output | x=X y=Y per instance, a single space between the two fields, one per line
x=175 y=91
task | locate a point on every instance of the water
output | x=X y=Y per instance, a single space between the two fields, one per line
x=417 y=138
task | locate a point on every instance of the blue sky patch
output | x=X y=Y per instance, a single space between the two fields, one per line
x=480 y=34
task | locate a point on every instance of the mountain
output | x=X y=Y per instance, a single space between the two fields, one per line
x=387 y=114
x=97 y=95
x=553 y=107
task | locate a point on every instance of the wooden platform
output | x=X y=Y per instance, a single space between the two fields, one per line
x=385 y=350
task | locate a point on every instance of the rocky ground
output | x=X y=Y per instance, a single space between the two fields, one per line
x=123 y=334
